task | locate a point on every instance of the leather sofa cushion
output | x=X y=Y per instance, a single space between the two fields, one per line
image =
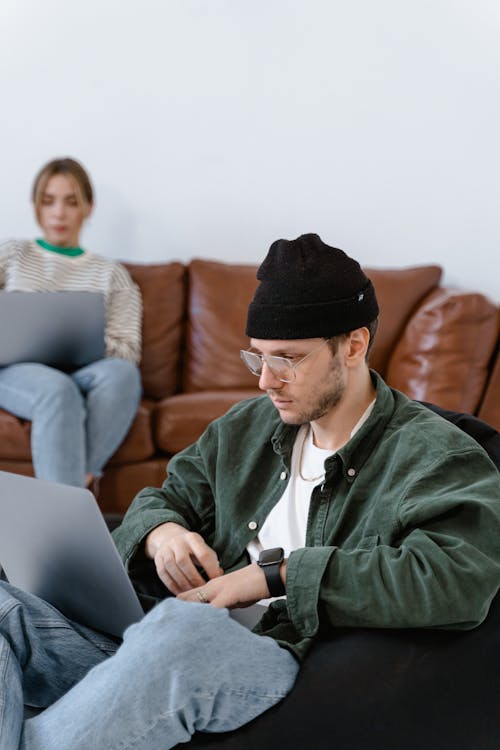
x=15 y=436
x=163 y=298
x=138 y=444
x=445 y=350
x=120 y=484
x=181 y=419
x=219 y=295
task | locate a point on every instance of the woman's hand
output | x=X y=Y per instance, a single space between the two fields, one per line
x=176 y=553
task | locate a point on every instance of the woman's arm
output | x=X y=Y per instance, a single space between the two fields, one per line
x=124 y=317
x=7 y=250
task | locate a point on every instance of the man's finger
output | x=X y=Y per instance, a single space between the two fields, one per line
x=172 y=575
x=207 y=559
x=167 y=580
x=190 y=575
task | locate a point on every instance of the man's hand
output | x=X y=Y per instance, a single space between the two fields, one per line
x=238 y=589
x=176 y=553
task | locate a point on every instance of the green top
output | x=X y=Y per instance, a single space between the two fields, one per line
x=403 y=532
x=72 y=252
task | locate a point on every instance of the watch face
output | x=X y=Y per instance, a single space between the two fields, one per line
x=271 y=556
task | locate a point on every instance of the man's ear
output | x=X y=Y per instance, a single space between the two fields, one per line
x=357 y=344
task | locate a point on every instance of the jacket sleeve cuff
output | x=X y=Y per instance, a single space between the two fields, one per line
x=304 y=572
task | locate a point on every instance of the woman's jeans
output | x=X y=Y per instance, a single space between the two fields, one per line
x=185 y=667
x=78 y=420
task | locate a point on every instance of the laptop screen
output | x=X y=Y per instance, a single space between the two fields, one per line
x=60 y=329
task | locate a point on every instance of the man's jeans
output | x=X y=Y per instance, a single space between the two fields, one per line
x=78 y=420
x=185 y=667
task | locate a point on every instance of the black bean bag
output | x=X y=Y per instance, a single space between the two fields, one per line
x=369 y=689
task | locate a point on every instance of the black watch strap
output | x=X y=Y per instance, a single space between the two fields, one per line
x=270 y=561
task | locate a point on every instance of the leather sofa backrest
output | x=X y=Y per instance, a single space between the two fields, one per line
x=434 y=344
x=218 y=299
x=399 y=291
x=219 y=294
x=445 y=351
x=490 y=406
x=163 y=290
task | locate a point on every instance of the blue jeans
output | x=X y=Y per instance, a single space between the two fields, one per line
x=185 y=667
x=78 y=420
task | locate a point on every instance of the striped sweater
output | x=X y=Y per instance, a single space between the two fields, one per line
x=27 y=267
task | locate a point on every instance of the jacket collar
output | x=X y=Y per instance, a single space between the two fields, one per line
x=356 y=451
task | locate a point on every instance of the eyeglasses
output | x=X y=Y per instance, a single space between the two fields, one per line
x=281 y=367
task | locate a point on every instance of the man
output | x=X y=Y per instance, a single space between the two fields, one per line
x=362 y=507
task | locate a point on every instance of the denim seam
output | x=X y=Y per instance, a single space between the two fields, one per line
x=7 y=608
x=43 y=624
x=3 y=671
x=243 y=694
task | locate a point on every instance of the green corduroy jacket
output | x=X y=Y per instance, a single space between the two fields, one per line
x=403 y=532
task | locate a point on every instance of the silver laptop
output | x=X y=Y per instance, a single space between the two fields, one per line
x=60 y=329
x=55 y=543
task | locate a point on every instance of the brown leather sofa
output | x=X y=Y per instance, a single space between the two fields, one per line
x=435 y=344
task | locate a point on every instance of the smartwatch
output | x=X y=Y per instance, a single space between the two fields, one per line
x=270 y=561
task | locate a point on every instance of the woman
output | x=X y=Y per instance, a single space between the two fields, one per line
x=78 y=419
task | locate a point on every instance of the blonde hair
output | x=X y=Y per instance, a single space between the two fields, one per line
x=72 y=169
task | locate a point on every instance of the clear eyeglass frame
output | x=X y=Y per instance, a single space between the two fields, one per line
x=281 y=367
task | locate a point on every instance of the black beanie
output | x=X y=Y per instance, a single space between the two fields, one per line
x=309 y=290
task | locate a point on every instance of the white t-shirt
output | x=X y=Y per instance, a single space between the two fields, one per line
x=286 y=524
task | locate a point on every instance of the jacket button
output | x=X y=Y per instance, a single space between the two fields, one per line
x=283 y=475
x=252 y=525
x=351 y=472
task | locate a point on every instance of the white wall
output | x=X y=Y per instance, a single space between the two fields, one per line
x=212 y=127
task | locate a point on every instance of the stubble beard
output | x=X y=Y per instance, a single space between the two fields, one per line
x=328 y=399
